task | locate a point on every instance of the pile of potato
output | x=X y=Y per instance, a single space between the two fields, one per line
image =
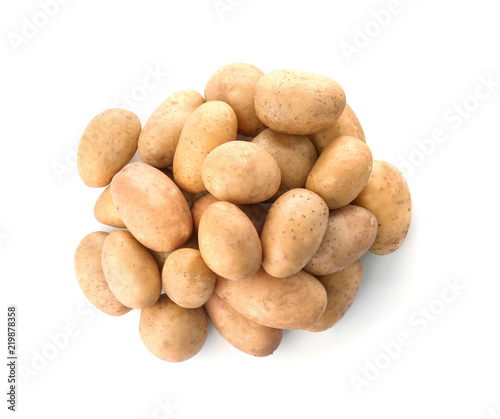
x=251 y=207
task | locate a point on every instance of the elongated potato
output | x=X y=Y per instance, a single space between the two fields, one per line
x=105 y=210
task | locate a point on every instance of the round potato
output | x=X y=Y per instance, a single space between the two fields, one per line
x=296 y=102
x=387 y=196
x=235 y=85
x=130 y=270
x=107 y=144
x=171 y=332
x=105 y=210
x=161 y=257
x=90 y=277
x=341 y=171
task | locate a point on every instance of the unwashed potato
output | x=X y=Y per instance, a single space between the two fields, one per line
x=107 y=144
x=235 y=85
x=173 y=333
x=341 y=289
x=105 y=210
x=160 y=135
x=244 y=334
x=387 y=196
x=296 y=302
x=161 y=257
x=130 y=270
x=296 y=102
x=90 y=277
x=341 y=171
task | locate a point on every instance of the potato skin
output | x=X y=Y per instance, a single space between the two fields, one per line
x=160 y=135
x=235 y=84
x=173 y=333
x=341 y=289
x=350 y=233
x=293 y=231
x=388 y=197
x=90 y=277
x=341 y=171
x=296 y=302
x=108 y=143
x=244 y=334
x=161 y=257
x=152 y=207
x=105 y=210
x=296 y=102
x=130 y=270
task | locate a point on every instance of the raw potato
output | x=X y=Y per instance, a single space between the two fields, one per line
x=190 y=197
x=341 y=289
x=90 y=277
x=160 y=135
x=235 y=85
x=105 y=210
x=296 y=302
x=296 y=102
x=244 y=334
x=293 y=232
x=387 y=196
x=341 y=171
x=187 y=279
x=130 y=270
x=347 y=124
x=173 y=333
x=350 y=233
x=241 y=173
x=152 y=207
x=107 y=144
x=295 y=155
x=161 y=257
x=229 y=243
x=210 y=125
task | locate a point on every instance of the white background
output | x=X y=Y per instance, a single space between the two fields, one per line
x=403 y=83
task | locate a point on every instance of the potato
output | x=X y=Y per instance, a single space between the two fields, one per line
x=244 y=334
x=350 y=232
x=105 y=210
x=296 y=102
x=235 y=85
x=341 y=171
x=190 y=197
x=348 y=124
x=160 y=135
x=161 y=257
x=341 y=289
x=210 y=125
x=295 y=155
x=130 y=270
x=173 y=333
x=387 y=196
x=186 y=278
x=107 y=144
x=152 y=207
x=296 y=302
x=293 y=232
x=229 y=243
x=90 y=277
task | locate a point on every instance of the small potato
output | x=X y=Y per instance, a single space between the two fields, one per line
x=341 y=171
x=130 y=270
x=105 y=210
x=295 y=155
x=296 y=102
x=90 y=277
x=161 y=257
x=160 y=135
x=210 y=125
x=241 y=173
x=235 y=85
x=244 y=334
x=293 y=232
x=350 y=233
x=186 y=278
x=107 y=144
x=171 y=332
x=229 y=243
x=296 y=302
x=387 y=196
x=341 y=289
